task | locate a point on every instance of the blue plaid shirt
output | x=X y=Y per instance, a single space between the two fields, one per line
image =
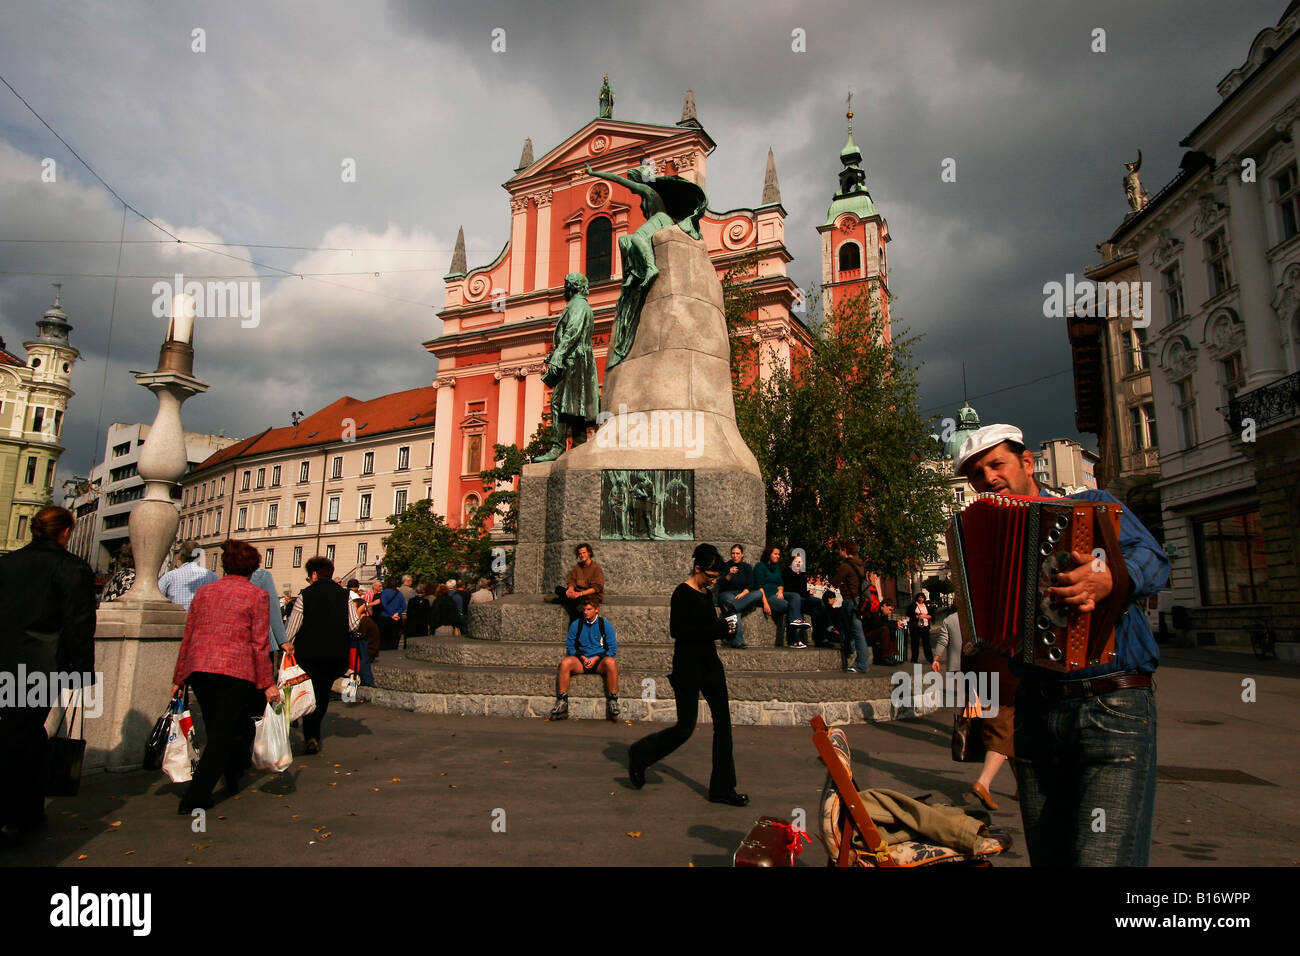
x=1148 y=571
x=179 y=584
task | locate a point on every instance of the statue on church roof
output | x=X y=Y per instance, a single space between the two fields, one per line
x=1133 y=191
x=606 y=99
x=665 y=201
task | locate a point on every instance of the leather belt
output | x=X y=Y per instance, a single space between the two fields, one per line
x=1073 y=689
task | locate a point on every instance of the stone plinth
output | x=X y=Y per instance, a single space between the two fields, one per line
x=136 y=644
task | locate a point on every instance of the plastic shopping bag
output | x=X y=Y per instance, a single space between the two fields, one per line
x=296 y=686
x=181 y=756
x=271 y=739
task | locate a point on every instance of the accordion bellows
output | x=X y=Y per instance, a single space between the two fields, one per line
x=1004 y=551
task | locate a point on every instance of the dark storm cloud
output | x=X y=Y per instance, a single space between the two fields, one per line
x=243 y=144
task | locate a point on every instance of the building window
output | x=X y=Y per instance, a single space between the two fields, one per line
x=1216 y=256
x=241 y=520
x=261 y=478
x=273 y=515
x=189 y=527
x=368 y=463
x=223 y=485
x=1143 y=422
x=430 y=454
x=275 y=477
x=850 y=257
x=38 y=419
x=212 y=561
x=203 y=493
x=1233 y=569
x=243 y=485
x=122 y=449
x=58 y=423
x=304 y=471
x=22 y=527
x=269 y=559
x=1185 y=402
x=49 y=474
x=361 y=554
x=31 y=471
x=1286 y=189
x=959 y=496
x=404 y=458
x=212 y=488
x=1135 y=344
x=297 y=556
x=185 y=502
x=216 y=528
x=1232 y=372
x=399 y=501
x=300 y=512
x=333 y=509
x=600 y=249
x=329 y=553
x=336 y=468
x=473 y=454
x=363 y=513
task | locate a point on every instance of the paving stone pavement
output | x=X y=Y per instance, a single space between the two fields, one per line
x=395 y=788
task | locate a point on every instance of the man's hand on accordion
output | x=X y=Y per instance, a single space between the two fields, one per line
x=1083 y=588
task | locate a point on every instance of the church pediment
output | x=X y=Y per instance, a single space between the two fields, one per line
x=602 y=138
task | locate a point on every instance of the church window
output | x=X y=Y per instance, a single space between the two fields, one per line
x=600 y=246
x=850 y=257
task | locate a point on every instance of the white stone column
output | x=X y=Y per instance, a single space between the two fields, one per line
x=1254 y=279
x=442 y=433
x=533 y=399
x=541 y=274
x=518 y=243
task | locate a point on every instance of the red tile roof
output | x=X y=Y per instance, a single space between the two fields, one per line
x=8 y=359
x=387 y=413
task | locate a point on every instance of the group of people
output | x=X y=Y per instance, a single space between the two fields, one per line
x=1077 y=741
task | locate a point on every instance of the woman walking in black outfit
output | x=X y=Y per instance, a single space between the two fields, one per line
x=695 y=626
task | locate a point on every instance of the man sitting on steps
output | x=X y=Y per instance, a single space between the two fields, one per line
x=590 y=649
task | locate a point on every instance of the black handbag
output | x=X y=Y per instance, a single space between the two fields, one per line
x=967 y=738
x=66 y=754
x=157 y=743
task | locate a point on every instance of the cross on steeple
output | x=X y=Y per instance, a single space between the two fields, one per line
x=58 y=289
x=849 y=114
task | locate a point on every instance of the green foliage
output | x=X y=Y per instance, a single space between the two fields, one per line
x=840 y=444
x=423 y=546
x=503 y=504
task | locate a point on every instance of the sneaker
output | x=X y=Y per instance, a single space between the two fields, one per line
x=799 y=644
x=798 y=623
x=611 y=708
x=561 y=709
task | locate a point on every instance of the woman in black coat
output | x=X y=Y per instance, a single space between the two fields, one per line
x=695 y=627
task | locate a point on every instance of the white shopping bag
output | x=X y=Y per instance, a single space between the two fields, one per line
x=351 y=681
x=297 y=688
x=181 y=756
x=271 y=739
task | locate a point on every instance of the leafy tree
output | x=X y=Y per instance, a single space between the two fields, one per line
x=423 y=546
x=840 y=444
x=503 y=505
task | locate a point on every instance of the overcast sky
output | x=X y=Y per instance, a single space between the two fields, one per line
x=243 y=144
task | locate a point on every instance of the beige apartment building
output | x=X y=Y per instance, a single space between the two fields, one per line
x=326 y=486
x=1065 y=466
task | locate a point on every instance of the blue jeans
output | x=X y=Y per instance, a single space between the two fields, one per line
x=363 y=663
x=854 y=637
x=727 y=600
x=1087 y=774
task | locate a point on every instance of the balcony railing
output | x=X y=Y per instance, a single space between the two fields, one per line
x=1267 y=405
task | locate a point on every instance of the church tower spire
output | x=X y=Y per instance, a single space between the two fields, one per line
x=458 y=255
x=854 y=235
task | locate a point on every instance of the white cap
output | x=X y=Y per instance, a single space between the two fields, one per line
x=982 y=439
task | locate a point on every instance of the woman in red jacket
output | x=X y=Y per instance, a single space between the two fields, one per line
x=226 y=658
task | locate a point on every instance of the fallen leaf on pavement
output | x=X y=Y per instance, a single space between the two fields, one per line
x=116 y=823
x=634 y=834
x=129 y=853
x=82 y=857
x=397 y=780
x=376 y=789
x=202 y=846
x=333 y=783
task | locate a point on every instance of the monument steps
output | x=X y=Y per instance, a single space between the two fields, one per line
x=769 y=686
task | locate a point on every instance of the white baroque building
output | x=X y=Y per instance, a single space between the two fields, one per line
x=1220 y=244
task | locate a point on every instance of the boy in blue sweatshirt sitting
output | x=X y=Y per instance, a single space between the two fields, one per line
x=590 y=649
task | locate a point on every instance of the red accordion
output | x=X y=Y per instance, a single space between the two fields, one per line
x=1004 y=551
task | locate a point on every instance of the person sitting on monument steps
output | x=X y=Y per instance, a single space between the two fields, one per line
x=785 y=609
x=587 y=579
x=571 y=370
x=589 y=649
x=737 y=593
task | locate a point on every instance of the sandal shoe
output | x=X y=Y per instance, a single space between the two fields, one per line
x=982 y=794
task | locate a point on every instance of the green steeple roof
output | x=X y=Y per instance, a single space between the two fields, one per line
x=852 y=195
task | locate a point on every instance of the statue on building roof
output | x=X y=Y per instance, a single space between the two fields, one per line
x=606 y=99
x=665 y=201
x=1133 y=191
